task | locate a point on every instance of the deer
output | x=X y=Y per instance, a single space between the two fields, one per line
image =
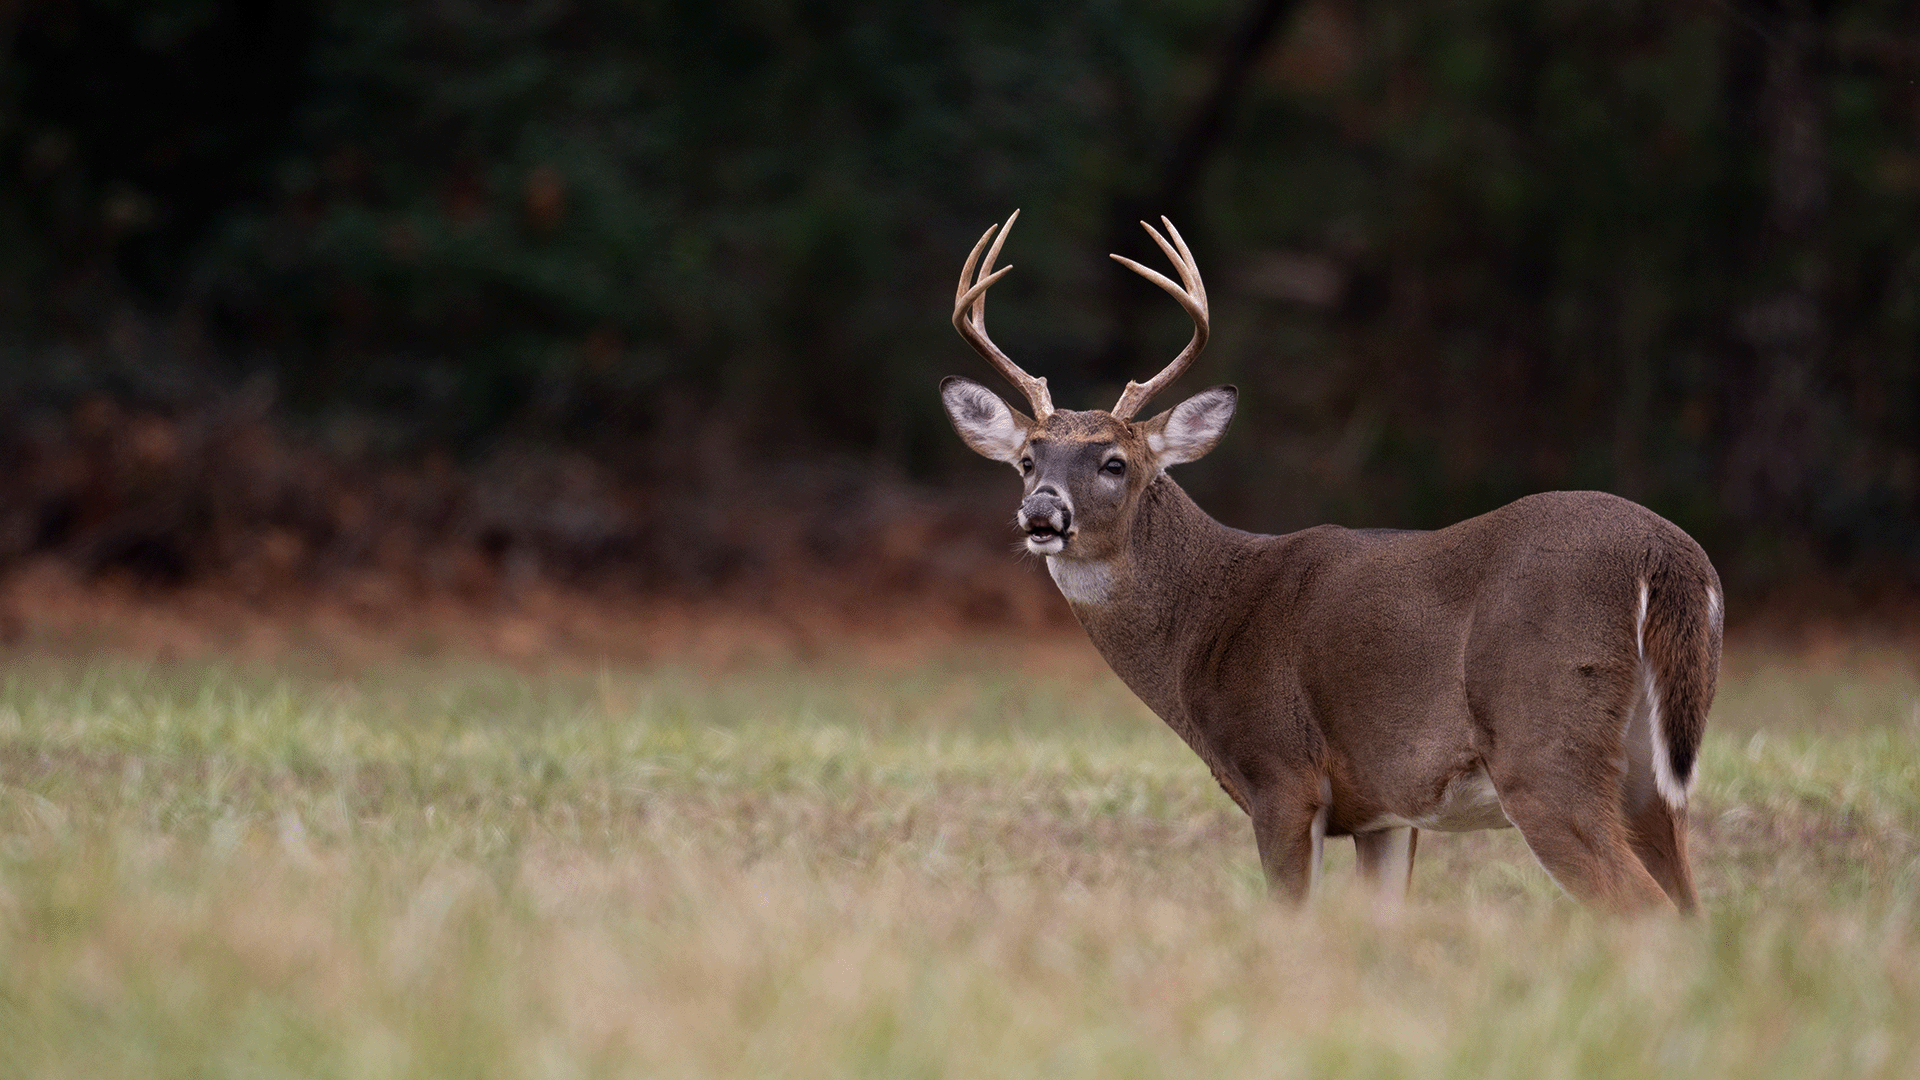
x=1548 y=665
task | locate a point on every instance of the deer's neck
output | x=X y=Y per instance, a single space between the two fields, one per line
x=1143 y=608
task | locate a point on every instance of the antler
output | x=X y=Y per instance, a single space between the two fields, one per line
x=1193 y=298
x=972 y=325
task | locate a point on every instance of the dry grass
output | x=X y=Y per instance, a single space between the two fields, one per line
x=933 y=869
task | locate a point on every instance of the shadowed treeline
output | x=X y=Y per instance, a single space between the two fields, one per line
x=1457 y=252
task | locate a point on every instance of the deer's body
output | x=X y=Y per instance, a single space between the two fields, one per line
x=1425 y=677
x=1547 y=665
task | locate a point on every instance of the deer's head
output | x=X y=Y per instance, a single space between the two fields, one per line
x=1084 y=471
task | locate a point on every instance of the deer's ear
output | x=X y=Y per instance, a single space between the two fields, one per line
x=990 y=426
x=1188 y=430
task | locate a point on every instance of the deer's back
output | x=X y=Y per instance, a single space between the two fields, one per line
x=1557 y=557
x=1403 y=635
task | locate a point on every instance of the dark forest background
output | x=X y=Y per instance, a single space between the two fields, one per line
x=602 y=285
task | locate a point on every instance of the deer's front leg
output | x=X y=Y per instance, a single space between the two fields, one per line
x=1290 y=827
x=1386 y=862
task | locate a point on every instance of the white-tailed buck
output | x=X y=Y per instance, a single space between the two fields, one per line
x=1548 y=665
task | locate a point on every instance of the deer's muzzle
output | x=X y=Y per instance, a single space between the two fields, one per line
x=1048 y=521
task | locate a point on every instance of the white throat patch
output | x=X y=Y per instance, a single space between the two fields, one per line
x=1080 y=581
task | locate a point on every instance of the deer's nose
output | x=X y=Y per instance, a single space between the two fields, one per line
x=1045 y=511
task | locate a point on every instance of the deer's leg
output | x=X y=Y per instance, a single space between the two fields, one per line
x=1290 y=827
x=1658 y=834
x=1386 y=860
x=1567 y=806
x=1560 y=758
x=1657 y=831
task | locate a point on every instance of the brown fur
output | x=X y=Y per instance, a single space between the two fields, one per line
x=1382 y=666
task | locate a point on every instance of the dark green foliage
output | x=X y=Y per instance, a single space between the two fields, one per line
x=1458 y=251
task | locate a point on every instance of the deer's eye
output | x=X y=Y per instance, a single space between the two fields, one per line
x=1026 y=464
x=1115 y=466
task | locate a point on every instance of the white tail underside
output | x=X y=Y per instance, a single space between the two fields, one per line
x=1673 y=789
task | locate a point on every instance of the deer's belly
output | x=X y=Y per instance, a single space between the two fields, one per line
x=1467 y=804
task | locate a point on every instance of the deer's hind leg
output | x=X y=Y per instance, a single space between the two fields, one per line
x=1659 y=837
x=1559 y=770
x=1656 y=830
x=1578 y=836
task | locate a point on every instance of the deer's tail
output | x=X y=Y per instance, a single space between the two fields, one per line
x=1678 y=634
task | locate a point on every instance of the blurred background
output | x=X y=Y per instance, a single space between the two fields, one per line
x=508 y=298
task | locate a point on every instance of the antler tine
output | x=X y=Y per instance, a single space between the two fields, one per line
x=1192 y=297
x=970 y=317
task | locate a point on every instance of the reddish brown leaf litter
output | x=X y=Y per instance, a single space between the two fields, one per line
x=209 y=531
x=45 y=608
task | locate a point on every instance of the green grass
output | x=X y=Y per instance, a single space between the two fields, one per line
x=934 y=870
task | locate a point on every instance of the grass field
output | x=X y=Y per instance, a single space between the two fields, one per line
x=927 y=869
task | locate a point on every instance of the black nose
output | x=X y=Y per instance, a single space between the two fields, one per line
x=1045 y=512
